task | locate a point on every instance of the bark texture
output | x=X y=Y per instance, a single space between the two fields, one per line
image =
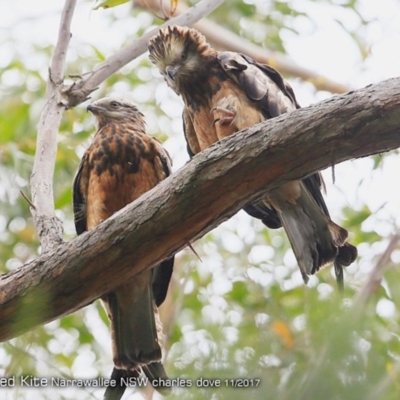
x=48 y=225
x=213 y=186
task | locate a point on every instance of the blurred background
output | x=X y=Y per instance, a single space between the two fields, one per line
x=243 y=312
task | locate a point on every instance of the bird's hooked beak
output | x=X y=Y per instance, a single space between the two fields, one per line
x=92 y=108
x=172 y=70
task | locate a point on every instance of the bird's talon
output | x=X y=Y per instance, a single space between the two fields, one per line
x=215 y=121
x=224 y=121
x=228 y=115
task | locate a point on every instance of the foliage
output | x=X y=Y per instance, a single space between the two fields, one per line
x=241 y=313
x=109 y=3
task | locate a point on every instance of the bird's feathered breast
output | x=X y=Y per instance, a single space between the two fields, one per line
x=121 y=164
x=118 y=144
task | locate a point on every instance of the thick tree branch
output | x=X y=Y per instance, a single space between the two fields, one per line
x=197 y=198
x=78 y=92
x=48 y=226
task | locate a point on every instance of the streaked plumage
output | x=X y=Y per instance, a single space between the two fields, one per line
x=225 y=92
x=120 y=165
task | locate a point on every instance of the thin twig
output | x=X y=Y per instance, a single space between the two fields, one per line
x=375 y=278
x=194 y=251
x=27 y=199
x=78 y=92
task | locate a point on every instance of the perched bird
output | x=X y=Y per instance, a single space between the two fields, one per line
x=120 y=165
x=225 y=92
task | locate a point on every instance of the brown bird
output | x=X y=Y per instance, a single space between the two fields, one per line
x=225 y=92
x=120 y=165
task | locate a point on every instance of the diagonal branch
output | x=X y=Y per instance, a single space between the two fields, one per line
x=212 y=187
x=79 y=91
x=48 y=226
x=224 y=39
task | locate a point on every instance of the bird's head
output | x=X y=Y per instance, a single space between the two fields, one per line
x=178 y=52
x=111 y=108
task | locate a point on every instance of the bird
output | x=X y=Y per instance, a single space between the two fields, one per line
x=224 y=92
x=121 y=164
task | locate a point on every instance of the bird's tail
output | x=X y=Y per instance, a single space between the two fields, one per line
x=315 y=239
x=121 y=378
x=154 y=372
x=346 y=255
x=133 y=327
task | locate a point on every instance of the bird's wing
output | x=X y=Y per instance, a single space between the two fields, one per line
x=267 y=215
x=274 y=96
x=160 y=280
x=276 y=77
x=315 y=185
x=192 y=142
x=163 y=160
x=302 y=211
x=78 y=197
x=162 y=272
x=261 y=83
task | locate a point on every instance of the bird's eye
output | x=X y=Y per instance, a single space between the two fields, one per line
x=114 y=104
x=183 y=55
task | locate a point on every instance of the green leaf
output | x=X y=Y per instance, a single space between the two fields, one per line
x=110 y=4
